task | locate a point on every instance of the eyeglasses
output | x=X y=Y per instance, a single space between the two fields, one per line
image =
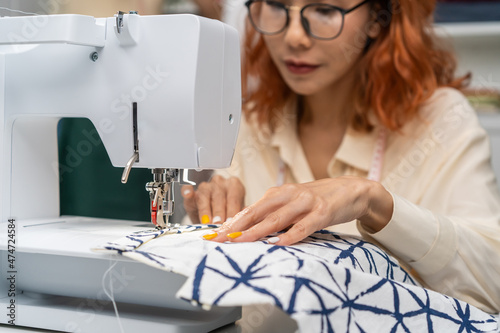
x=320 y=20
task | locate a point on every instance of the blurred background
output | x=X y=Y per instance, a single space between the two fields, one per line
x=467 y=11
x=208 y=8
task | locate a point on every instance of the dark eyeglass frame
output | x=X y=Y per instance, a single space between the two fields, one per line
x=303 y=19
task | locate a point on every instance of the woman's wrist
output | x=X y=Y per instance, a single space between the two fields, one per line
x=379 y=208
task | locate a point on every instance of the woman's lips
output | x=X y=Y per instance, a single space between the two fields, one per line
x=300 y=67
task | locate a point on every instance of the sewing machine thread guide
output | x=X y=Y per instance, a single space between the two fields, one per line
x=135 y=130
x=135 y=156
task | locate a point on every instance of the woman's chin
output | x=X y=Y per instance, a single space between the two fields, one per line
x=303 y=90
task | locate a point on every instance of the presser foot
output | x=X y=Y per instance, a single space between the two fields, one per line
x=170 y=226
x=161 y=196
x=157 y=198
x=159 y=217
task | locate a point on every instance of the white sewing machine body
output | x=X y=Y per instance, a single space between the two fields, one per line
x=182 y=73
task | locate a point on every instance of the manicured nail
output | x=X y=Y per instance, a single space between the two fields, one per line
x=205 y=219
x=186 y=192
x=273 y=240
x=217 y=219
x=235 y=235
x=210 y=236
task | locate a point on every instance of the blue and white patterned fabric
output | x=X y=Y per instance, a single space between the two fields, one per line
x=327 y=283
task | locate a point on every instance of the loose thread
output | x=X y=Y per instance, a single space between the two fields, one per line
x=110 y=294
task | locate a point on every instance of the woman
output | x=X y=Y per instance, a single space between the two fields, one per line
x=355 y=123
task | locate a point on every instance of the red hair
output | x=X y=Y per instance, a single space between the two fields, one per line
x=398 y=71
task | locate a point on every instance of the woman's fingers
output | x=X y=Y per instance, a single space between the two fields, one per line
x=190 y=205
x=256 y=213
x=214 y=201
x=234 y=224
x=218 y=199
x=309 y=207
x=235 y=197
x=299 y=231
x=203 y=203
x=227 y=197
x=302 y=208
x=276 y=221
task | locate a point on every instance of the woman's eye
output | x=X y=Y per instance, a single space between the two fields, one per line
x=325 y=11
x=275 y=4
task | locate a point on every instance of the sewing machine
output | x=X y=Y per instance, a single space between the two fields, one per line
x=163 y=93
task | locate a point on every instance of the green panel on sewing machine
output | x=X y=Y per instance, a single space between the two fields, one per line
x=89 y=184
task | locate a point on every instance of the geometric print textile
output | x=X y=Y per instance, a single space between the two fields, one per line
x=326 y=283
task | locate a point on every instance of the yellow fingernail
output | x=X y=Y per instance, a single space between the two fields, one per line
x=210 y=236
x=234 y=235
x=205 y=219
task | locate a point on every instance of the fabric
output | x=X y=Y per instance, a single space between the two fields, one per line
x=328 y=283
x=446 y=219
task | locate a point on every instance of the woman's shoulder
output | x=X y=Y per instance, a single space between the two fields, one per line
x=446 y=103
x=446 y=118
x=446 y=110
x=447 y=93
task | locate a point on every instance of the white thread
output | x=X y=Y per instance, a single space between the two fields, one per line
x=18 y=11
x=110 y=295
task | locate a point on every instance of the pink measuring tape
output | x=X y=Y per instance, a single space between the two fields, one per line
x=375 y=171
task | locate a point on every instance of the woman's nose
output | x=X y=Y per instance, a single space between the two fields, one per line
x=295 y=34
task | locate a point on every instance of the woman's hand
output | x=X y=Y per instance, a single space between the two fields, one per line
x=306 y=208
x=214 y=201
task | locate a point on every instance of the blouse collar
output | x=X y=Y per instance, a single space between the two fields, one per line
x=356 y=149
